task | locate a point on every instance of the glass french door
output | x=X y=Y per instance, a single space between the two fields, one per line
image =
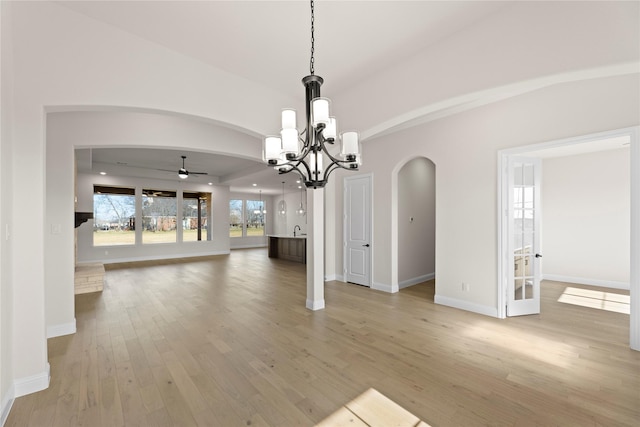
x=524 y=236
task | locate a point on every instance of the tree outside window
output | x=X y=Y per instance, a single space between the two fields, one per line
x=255 y=215
x=195 y=216
x=159 y=215
x=235 y=218
x=114 y=211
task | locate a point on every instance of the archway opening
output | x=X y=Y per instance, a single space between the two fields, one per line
x=416 y=225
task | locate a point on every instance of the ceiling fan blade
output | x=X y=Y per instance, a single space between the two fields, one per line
x=198 y=173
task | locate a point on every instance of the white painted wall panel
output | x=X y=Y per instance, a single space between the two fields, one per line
x=586 y=216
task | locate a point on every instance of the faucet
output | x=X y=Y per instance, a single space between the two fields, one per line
x=294 y=230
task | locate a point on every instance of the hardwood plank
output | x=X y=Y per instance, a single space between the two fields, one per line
x=226 y=340
x=342 y=418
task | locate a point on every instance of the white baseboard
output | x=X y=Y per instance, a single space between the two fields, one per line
x=586 y=281
x=158 y=257
x=416 y=280
x=6 y=404
x=315 y=305
x=384 y=287
x=332 y=277
x=466 y=305
x=249 y=246
x=37 y=382
x=62 y=329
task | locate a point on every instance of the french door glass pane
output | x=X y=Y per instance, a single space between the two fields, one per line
x=523 y=231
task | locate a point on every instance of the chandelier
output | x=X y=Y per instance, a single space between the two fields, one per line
x=306 y=152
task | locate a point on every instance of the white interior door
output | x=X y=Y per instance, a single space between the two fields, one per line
x=357 y=230
x=523 y=236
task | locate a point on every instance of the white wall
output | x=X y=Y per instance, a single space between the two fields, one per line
x=464 y=148
x=64 y=60
x=219 y=243
x=6 y=179
x=66 y=131
x=585 y=218
x=284 y=225
x=416 y=238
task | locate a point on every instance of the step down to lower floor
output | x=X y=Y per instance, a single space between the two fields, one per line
x=89 y=278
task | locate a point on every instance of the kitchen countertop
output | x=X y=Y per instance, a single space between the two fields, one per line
x=286 y=236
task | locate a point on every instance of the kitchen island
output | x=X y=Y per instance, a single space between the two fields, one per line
x=292 y=248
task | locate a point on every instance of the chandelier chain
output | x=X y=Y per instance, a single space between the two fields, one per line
x=311 y=62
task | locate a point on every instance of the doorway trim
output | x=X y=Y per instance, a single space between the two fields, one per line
x=634 y=282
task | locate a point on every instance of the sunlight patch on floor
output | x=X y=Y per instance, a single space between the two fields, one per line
x=523 y=344
x=372 y=408
x=596 y=299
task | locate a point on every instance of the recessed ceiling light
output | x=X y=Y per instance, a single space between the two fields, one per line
x=103 y=173
x=255 y=185
x=211 y=183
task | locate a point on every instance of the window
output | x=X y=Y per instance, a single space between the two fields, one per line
x=255 y=215
x=235 y=218
x=159 y=210
x=114 y=211
x=195 y=217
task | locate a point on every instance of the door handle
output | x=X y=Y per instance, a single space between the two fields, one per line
x=538 y=256
x=365 y=246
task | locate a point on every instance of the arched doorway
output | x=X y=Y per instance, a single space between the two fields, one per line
x=415 y=221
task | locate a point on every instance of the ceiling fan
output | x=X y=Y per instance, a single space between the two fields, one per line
x=184 y=173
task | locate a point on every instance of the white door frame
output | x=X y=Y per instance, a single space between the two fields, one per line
x=525 y=306
x=634 y=285
x=344 y=225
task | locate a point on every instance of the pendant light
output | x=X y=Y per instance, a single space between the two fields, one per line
x=300 y=211
x=307 y=151
x=282 y=206
x=261 y=206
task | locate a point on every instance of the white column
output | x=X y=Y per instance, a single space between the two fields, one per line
x=315 y=249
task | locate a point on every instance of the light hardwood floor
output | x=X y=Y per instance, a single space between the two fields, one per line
x=227 y=341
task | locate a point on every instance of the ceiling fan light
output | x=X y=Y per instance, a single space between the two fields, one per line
x=183 y=174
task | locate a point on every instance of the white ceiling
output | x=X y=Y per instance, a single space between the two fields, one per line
x=268 y=42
